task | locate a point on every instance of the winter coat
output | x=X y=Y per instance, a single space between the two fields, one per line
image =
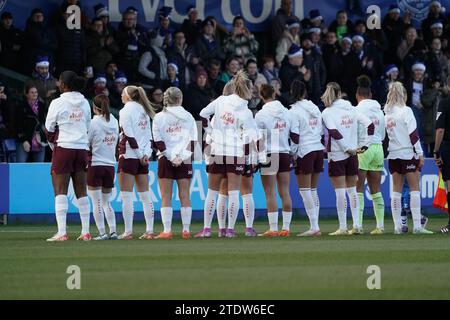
x=197 y=99
x=11 y=42
x=289 y=73
x=98 y=52
x=316 y=85
x=71 y=53
x=206 y=51
x=27 y=122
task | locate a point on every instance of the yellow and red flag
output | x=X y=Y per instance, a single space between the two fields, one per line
x=440 y=200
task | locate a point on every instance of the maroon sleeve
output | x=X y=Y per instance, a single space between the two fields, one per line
x=414 y=137
x=133 y=143
x=336 y=135
x=295 y=138
x=204 y=122
x=191 y=146
x=247 y=149
x=51 y=136
x=160 y=145
x=371 y=129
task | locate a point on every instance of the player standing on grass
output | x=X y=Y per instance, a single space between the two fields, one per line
x=405 y=155
x=371 y=161
x=306 y=121
x=67 y=124
x=274 y=122
x=135 y=148
x=174 y=134
x=228 y=143
x=341 y=120
x=442 y=146
x=103 y=138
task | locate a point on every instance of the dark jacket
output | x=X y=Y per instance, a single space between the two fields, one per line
x=333 y=62
x=98 y=52
x=279 y=25
x=316 y=85
x=38 y=40
x=206 y=52
x=180 y=58
x=45 y=86
x=394 y=30
x=11 y=41
x=191 y=31
x=289 y=73
x=352 y=69
x=27 y=122
x=197 y=99
x=71 y=54
x=427 y=22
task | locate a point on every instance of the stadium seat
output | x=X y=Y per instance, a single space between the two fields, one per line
x=9 y=150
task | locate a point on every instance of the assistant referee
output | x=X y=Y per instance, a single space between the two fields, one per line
x=442 y=145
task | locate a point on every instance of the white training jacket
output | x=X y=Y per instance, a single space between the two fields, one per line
x=136 y=132
x=70 y=114
x=306 y=120
x=372 y=110
x=233 y=126
x=401 y=126
x=174 y=129
x=103 y=138
x=274 y=124
x=341 y=120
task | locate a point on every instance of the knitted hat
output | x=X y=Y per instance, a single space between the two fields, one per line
x=173 y=65
x=42 y=61
x=389 y=69
x=292 y=23
x=101 y=10
x=121 y=77
x=164 y=12
x=315 y=15
x=418 y=66
x=100 y=78
x=295 y=51
x=394 y=8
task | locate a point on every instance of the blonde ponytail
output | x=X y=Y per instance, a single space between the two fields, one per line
x=396 y=95
x=243 y=86
x=331 y=94
x=138 y=95
x=229 y=88
x=173 y=97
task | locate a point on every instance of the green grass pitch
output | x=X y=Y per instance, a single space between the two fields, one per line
x=412 y=267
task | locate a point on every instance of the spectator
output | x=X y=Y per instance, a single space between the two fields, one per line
x=172 y=77
x=376 y=38
x=269 y=70
x=191 y=27
x=11 y=40
x=55 y=18
x=207 y=46
x=153 y=67
x=71 y=53
x=314 y=20
x=313 y=61
x=220 y=31
x=332 y=58
x=276 y=84
x=415 y=88
x=39 y=41
x=132 y=39
x=46 y=84
x=394 y=27
x=231 y=68
x=367 y=57
x=100 y=86
x=257 y=80
x=316 y=39
x=163 y=34
x=352 y=69
x=284 y=13
x=115 y=95
x=100 y=48
x=436 y=62
x=381 y=86
x=430 y=100
x=6 y=114
x=435 y=14
x=181 y=54
x=111 y=69
x=213 y=77
x=407 y=43
x=200 y=95
x=156 y=97
x=417 y=53
x=241 y=42
x=342 y=25
x=102 y=13
x=436 y=30
x=30 y=125
x=290 y=36
x=292 y=68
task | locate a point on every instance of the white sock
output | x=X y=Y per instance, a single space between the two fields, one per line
x=186 y=217
x=287 y=218
x=273 y=220
x=354 y=206
x=127 y=211
x=316 y=199
x=210 y=207
x=396 y=208
x=149 y=211
x=341 y=205
x=84 y=206
x=222 y=203
x=109 y=212
x=415 y=208
x=61 y=207
x=233 y=208
x=96 y=197
x=248 y=204
x=166 y=217
x=310 y=208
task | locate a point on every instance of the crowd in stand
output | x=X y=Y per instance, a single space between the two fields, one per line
x=200 y=57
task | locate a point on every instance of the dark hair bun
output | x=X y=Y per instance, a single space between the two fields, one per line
x=364 y=81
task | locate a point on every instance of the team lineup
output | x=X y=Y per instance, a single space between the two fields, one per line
x=237 y=144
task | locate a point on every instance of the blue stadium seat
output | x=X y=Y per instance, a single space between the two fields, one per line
x=9 y=150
